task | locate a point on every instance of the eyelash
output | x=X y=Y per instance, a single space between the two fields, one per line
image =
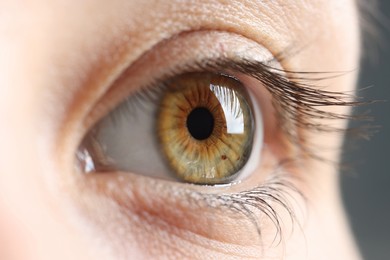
x=296 y=102
x=248 y=203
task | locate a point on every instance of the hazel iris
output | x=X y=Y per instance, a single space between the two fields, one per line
x=205 y=127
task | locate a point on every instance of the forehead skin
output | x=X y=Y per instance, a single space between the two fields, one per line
x=51 y=50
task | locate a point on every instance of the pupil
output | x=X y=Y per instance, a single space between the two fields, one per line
x=200 y=123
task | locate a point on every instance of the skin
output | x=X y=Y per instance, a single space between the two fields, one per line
x=58 y=62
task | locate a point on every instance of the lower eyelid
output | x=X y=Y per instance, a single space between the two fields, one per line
x=160 y=203
x=179 y=210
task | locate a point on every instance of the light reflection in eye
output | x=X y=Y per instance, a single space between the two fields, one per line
x=85 y=160
x=231 y=107
x=199 y=128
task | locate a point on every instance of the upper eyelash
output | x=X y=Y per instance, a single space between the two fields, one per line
x=288 y=92
x=296 y=99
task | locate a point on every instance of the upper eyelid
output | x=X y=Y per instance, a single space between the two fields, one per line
x=189 y=64
x=93 y=102
x=281 y=83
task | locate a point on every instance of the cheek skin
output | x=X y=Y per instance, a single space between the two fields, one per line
x=47 y=56
x=157 y=221
x=25 y=215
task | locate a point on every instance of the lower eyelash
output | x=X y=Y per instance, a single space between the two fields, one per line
x=259 y=201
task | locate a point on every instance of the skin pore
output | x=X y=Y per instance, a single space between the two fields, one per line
x=65 y=64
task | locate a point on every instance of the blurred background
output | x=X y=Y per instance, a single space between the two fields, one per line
x=366 y=183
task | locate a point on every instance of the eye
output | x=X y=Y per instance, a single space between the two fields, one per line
x=202 y=128
x=225 y=113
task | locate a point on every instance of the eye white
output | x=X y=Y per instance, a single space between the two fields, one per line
x=129 y=139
